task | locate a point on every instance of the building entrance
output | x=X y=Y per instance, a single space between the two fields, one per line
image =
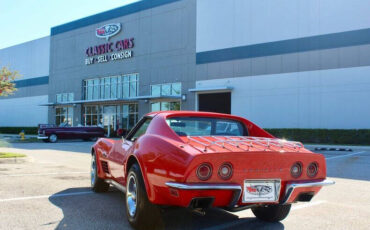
x=110 y=120
x=215 y=102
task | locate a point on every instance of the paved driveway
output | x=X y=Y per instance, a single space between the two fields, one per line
x=50 y=190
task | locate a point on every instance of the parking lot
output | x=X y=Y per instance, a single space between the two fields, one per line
x=49 y=189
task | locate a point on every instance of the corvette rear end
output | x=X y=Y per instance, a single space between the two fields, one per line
x=244 y=172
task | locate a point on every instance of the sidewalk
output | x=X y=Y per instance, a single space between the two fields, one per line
x=15 y=136
x=353 y=147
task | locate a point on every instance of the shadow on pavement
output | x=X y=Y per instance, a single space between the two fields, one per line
x=107 y=211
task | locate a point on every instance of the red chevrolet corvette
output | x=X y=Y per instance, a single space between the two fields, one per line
x=201 y=160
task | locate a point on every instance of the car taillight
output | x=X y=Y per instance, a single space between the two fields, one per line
x=225 y=171
x=204 y=171
x=296 y=170
x=312 y=169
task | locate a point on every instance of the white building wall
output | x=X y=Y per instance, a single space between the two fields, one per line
x=332 y=99
x=224 y=24
x=23 y=112
x=30 y=59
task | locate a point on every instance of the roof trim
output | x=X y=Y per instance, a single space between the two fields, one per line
x=32 y=82
x=214 y=88
x=110 y=14
x=111 y=100
x=318 y=42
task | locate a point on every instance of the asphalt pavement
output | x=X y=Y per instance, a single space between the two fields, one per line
x=50 y=190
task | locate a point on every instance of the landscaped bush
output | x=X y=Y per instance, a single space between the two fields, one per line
x=17 y=130
x=325 y=136
x=314 y=136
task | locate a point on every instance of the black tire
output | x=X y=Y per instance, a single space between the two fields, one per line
x=272 y=213
x=147 y=215
x=53 y=138
x=97 y=184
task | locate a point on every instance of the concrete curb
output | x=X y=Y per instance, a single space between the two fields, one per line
x=343 y=148
x=13 y=160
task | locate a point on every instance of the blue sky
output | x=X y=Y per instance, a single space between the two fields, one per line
x=26 y=20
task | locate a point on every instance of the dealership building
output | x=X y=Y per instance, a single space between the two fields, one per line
x=281 y=64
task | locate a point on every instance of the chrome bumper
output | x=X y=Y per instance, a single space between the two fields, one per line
x=42 y=137
x=290 y=187
x=234 y=187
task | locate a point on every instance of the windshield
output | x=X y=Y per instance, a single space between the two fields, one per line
x=206 y=126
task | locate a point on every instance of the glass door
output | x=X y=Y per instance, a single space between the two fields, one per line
x=110 y=120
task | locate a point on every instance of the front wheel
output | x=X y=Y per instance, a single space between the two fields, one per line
x=141 y=213
x=272 y=213
x=53 y=138
x=97 y=184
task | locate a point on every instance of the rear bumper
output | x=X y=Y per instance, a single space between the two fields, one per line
x=228 y=195
x=234 y=188
x=42 y=137
x=293 y=189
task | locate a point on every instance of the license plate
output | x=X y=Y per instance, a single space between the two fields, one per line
x=261 y=191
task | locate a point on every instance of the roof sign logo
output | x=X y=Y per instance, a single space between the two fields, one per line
x=108 y=30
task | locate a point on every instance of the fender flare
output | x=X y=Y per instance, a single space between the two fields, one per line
x=137 y=159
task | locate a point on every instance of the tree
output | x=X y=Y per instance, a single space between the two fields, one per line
x=7 y=85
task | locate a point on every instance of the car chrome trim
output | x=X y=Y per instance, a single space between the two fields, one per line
x=290 y=187
x=117 y=185
x=203 y=186
x=42 y=137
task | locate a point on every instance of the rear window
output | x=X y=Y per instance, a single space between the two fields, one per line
x=206 y=126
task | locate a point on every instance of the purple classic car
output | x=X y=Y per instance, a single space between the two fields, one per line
x=51 y=133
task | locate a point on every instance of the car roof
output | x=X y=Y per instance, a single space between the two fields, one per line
x=192 y=113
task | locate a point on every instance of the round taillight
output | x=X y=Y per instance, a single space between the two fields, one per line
x=225 y=171
x=312 y=169
x=204 y=171
x=296 y=170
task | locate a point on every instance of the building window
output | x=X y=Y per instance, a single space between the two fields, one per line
x=129 y=115
x=92 y=115
x=64 y=97
x=125 y=86
x=64 y=116
x=165 y=105
x=169 y=89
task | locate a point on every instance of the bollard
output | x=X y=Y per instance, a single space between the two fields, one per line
x=22 y=135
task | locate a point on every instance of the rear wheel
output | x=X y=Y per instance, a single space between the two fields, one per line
x=97 y=184
x=272 y=213
x=141 y=213
x=53 y=138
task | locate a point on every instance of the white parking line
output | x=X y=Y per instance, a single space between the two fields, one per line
x=43 y=174
x=308 y=204
x=46 y=196
x=241 y=221
x=347 y=155
x=228 y=225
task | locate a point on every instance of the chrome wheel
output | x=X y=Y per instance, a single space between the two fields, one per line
x=131 y=195
x=93 y=170
x=53 y=138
